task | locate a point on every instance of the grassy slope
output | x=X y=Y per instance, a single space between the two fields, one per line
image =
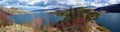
x=12 y=11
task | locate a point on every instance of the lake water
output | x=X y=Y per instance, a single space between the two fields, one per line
x=110 y=21
x=29 y=17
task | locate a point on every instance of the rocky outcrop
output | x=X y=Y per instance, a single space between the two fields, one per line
x=96 y=28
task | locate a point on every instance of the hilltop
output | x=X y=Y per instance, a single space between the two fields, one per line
x=13 y=11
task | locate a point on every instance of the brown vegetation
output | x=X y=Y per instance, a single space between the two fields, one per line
x=36 y=24
x=3 y=18
x=26 y=23
x=12 y=11
x=79 y=21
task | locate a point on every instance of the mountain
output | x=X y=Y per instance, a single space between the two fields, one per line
x=111 y=8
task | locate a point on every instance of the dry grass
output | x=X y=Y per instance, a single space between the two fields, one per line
x=26 y=23
x=12 y=11
x=103 y=29
x=36 y=24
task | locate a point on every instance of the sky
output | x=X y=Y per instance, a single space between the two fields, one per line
x=30 y=5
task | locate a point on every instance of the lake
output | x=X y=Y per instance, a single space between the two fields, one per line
x=19 y=19
x=110 y=21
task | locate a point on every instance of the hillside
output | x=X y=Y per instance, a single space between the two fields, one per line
x=13 y=11
x=81 y=18
x=115 y=8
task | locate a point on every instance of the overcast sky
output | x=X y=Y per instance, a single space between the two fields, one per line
x=49 y=4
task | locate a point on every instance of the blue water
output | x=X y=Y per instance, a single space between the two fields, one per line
x=29 y=17
x=110 y=21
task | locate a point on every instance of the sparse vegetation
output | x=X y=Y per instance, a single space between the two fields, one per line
x=76 y=19
x=102 y=29
x=81 y=16
x=13 y=11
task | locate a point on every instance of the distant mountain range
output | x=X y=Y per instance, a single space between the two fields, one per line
x=115 y=8
x=111 y=8
x=41 y=5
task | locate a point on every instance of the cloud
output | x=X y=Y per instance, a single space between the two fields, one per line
x=34 y=1
x=112 y=1
x=49 y=4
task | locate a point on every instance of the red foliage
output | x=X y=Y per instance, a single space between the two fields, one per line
x=79 y=21
x=4 y=18
x=67 y=24
x=59 y=25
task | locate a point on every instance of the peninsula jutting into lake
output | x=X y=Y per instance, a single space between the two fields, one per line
x=59 y=16
x=74 y=19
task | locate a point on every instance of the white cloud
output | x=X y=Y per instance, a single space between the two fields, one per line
x=112 y=1
x=56 y=3
x=34 y=1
